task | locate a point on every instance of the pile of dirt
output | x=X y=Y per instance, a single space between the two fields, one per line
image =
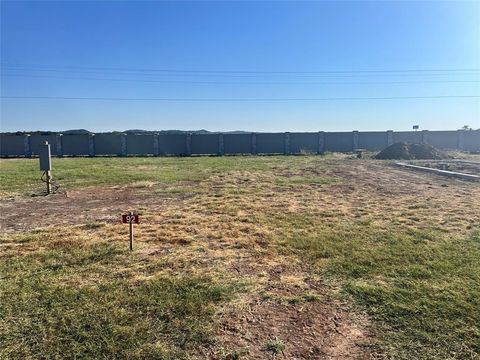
x=406 y=151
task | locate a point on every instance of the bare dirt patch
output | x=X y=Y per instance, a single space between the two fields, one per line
x=79 y=206
x=300 y=316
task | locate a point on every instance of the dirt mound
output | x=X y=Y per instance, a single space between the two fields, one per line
x=406 y=151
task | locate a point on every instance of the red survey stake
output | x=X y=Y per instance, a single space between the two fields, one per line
x=130 y=218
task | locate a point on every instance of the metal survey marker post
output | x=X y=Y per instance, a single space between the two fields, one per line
x=130 y=219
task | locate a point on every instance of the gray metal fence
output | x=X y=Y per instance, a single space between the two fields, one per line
x=186 y=144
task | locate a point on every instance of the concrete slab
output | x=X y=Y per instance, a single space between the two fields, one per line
x=440 y=172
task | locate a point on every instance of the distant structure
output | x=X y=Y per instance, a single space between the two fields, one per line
x=187 y=144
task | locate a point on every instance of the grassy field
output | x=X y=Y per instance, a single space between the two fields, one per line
x=21 y=177
x=234 y=256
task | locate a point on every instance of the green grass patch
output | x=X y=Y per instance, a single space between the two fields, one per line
x=22 y=176
x=77 y=300
x=422 y=287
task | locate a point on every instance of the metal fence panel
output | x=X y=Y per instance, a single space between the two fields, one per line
x=205 y=144
x=108 y=144
x=472 y=140
x=339 y=141
x=36 y=140
x=12 y=145
x=407 y=136
x=303 y=142
x=75 y=145
x=270 y=143
x=443 y=139
x=140 y=144
x=237 y=143
x=372 y=140
x=172 y=144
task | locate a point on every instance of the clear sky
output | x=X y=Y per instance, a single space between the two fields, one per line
x=241 y=51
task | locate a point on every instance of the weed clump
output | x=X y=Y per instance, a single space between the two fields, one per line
x=275 y=346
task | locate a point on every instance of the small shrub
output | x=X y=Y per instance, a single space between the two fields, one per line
x=275 y=346
x=311 y=297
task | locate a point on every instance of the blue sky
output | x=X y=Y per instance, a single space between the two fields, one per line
x=231 y=50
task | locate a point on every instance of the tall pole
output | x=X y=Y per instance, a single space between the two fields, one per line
x=130 y=224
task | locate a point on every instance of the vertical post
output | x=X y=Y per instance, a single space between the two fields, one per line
x=123 y=139
x=221 y=145
x=130 y=224
x=287 y=143
x=189 y=144
x=321 y=142
x=91 y=145
x=389 y=137
x=461 y=139
x=156 y=148
x=355 y=140
x=424 y=136
x=254 y=144
x=26 y=146
x=49 y=181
